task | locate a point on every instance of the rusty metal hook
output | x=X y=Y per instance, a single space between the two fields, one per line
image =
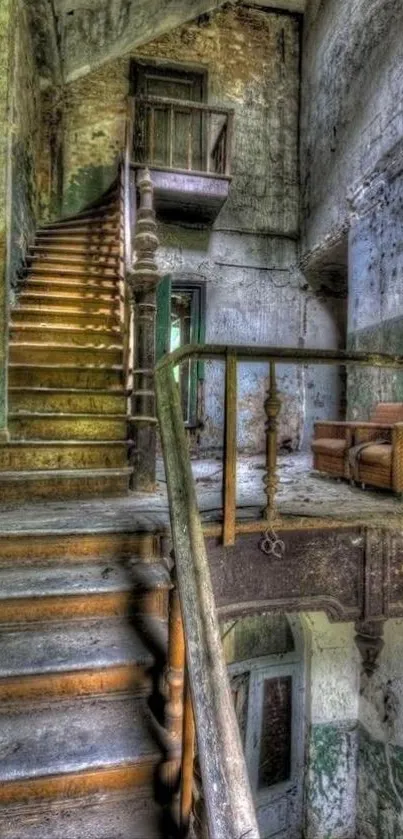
x=271 y=544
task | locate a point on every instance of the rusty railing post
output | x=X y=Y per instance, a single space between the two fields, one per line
x=230 y=449
x=272 y=408
x=143 y=281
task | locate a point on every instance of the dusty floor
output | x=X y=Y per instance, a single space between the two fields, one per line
x=302 y=493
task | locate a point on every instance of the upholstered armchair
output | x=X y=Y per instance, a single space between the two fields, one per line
x=331 y=446
x=369 y=452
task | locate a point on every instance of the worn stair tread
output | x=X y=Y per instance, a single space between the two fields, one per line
x=87 y=645
x=24 y=309
x=61 y=474
x=67 y=415
x=79 y=736
x=65 y=329
x=108 y=818
x=88 y=578
x=52 y=272
x=67 y=347
x=78 y=390
x=114 y=368
x=91 y=284
x=65 y=581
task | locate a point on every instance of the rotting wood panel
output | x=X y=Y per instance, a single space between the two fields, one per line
x=353 y=574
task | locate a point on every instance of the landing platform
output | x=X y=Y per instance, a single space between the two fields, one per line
x=303 y=496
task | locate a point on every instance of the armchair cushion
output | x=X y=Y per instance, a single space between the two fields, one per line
x=330 y=445
x=377 y=455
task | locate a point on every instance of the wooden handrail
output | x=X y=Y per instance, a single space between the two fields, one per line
x=226 y=788
x=294 y=355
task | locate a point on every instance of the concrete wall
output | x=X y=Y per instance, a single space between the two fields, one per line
x=351 y=129
x=255 y=291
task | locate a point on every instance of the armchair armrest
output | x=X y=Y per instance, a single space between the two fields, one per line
x=397 y=456
x=364 y=432
x=332 y=430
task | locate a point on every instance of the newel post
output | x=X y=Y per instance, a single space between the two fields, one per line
x=143 y=281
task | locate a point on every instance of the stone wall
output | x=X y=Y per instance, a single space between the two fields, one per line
x=255 y=291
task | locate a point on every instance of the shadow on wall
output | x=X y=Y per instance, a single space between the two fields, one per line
x=87 y=185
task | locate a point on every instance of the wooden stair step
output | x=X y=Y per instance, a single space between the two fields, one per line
x=66 y=400
x=109 y=213
x=27 y=352
x=36 y=426
x=65 y=376
x=108 y=268
x=63 y=484
x=88 y=272
x=78 y=544
x=89 y=227
x=76 y=592
x=64 y=290
x=80 y=241
x=73 y=252
x=94 y=817
x=64 y=335
x=46 y=316
x=37 y=455
x=73 y=659
x=75 y=748
x=37 y=301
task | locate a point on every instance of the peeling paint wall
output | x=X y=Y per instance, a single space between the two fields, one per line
x=332 y=749
x=380 y=787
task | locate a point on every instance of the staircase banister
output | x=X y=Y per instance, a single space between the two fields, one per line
x=294 y=355
x=226 y=788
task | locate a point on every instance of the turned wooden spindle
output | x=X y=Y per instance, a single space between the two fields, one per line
x=143 y=281
x=188 y=754
x=272 y=408
x=174 y=707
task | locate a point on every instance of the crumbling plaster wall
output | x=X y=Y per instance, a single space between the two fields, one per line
x=380 y=776
x=19 y=150
x=332 y=729
x=351 y=127
x=255 y=292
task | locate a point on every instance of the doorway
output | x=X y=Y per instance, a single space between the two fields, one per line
x=265 y=657
x=166 y=133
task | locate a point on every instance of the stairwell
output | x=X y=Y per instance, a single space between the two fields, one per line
x=83 y=617
x=66 y=395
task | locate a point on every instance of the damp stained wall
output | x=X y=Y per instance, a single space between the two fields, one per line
x=351 y=164
x=249 y=259
x=332 y=740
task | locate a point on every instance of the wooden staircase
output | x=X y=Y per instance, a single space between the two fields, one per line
x=66 y=395
x=84 y=636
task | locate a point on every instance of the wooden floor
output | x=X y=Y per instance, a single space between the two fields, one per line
x=302 y=493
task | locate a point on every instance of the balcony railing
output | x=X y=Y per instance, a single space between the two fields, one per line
x=182 y=136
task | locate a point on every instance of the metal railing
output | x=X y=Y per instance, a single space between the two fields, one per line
x=182 y=136
x=226 y=790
